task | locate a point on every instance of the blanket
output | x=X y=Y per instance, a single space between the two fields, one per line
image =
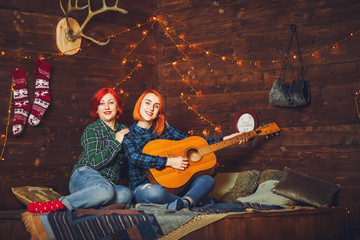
x=143 y=221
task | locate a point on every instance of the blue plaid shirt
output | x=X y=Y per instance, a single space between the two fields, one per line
x=101 y=151
x=134 y=143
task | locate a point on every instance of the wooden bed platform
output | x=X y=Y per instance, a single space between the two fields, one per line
x=317 y=224
x=329 y=224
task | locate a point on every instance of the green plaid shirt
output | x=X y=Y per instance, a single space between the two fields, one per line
x=101 y=151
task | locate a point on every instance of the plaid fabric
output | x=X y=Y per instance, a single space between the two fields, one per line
x=233 y=207
x=101 y=151
x=109 y=224
x=115 y=222
x=134 y=143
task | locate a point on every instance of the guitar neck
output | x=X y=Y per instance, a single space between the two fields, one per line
x=226 y=143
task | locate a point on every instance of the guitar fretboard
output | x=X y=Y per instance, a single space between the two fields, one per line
x=226 y=143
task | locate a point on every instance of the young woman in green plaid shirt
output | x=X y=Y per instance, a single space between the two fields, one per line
x=96 y=176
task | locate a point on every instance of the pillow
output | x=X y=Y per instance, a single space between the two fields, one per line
x=264 y=195
x=223 y=183
x=270 y=174
x=306 y=189
x=245 y=184
x=28 y=194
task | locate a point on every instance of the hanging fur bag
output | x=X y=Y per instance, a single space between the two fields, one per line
x=293 y=94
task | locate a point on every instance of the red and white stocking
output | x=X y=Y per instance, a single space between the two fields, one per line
x=21 y=101
x=42 y=93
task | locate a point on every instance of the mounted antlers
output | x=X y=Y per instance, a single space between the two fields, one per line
x=70 y=33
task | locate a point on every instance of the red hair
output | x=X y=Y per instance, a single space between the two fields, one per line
x=159 y=122
x=96 y=101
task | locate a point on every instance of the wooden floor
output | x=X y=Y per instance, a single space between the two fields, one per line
x=320 y=224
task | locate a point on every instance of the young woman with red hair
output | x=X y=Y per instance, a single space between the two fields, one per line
x=95 y=178
x=150 y=124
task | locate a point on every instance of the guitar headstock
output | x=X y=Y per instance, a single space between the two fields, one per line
x=267 y=129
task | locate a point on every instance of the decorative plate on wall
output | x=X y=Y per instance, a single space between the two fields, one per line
x=245 y=121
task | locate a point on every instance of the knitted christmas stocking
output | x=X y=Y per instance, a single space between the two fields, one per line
x=49 y=206
x=21 y=101
x=42 y=94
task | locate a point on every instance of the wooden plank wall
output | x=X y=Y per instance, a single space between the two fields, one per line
x=321 y=139
x=45 y=155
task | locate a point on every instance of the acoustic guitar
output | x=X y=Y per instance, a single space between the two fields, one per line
x=200 y=154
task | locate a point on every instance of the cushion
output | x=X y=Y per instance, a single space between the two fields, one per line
x=28 y=194
x=270 y=174
x=245 y=184
x=264 y=195
x=306 y=189
x=223 y=183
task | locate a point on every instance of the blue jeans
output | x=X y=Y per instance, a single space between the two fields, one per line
x=197 y=191
x=89 y=189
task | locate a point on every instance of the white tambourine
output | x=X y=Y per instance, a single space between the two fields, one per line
x=245 y=121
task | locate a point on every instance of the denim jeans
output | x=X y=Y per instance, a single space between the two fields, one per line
x=197 y=191
x=89 y=189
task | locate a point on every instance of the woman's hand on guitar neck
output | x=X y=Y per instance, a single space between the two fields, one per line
x=179 y=163
x=241 y=141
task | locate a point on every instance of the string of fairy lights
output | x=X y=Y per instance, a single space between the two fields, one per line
x=357 y=94
x=171 y=34
x=5 y=136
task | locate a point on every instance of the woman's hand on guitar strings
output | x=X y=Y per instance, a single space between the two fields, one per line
x=241 y=140
x=179 y=163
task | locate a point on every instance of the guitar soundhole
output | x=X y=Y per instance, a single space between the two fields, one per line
x=193 y=155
